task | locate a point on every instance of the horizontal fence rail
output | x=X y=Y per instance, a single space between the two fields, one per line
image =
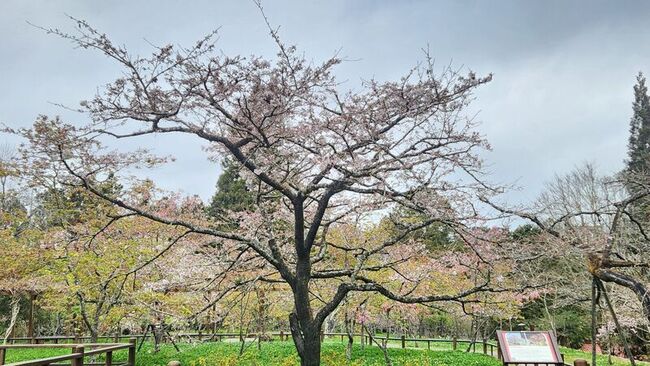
x=487 y=347
x=78 y=355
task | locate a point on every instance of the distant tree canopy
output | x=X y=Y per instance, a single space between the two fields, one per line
x=525 y=231
x=435 y=237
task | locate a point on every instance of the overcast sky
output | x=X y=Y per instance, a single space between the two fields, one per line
x=561 y=94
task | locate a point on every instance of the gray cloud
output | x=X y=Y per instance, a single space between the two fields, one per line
x=562 y=91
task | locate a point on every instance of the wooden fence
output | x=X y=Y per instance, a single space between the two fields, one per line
x=78 y=356
x=486 y=346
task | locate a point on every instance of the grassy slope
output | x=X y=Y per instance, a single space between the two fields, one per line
x=283 y=354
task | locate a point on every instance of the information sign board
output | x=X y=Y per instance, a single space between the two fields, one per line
x=533 y=346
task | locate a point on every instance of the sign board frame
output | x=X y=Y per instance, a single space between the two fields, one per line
x=515 y=346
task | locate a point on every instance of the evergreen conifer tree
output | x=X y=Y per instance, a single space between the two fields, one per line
x=639 y=140
x=232 y=193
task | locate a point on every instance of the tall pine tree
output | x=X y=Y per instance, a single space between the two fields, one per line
x=639 y=141
x=232 y=193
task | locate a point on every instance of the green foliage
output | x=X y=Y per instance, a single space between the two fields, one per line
x=639 y=140
x=60 y=207
x=436 y=237
x=439 y=322
x=525 y=232
x=573 y=326
x=281 y=354
x=232 y=193
x=24 y=354
x=571 y=354
x=638 y=161
x=571 y=322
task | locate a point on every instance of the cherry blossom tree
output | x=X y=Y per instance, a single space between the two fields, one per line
x=315 y=155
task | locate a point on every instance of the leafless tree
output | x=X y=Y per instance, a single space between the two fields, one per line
x=589 y=224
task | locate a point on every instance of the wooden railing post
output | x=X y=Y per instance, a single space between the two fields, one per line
x=580 y=362
x=109 y=358
x=484 y=346
x=3 y=355
x=402 y=338
x=131 y=360
x=454 y=344
x=79 y=360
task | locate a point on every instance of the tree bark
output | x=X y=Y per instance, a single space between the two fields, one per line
x=307 y=341
x=30 y=326
x=629 y=282
x=628 y=352
x=305 y=330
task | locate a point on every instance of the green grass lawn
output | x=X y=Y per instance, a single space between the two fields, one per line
x=283 y=354
x=276 y=354
x=572 y=354
x=24 y=354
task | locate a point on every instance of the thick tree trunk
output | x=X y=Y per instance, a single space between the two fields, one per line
x=93 y=328
x=311 y=350
x=307 y=341
x=305 y=330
